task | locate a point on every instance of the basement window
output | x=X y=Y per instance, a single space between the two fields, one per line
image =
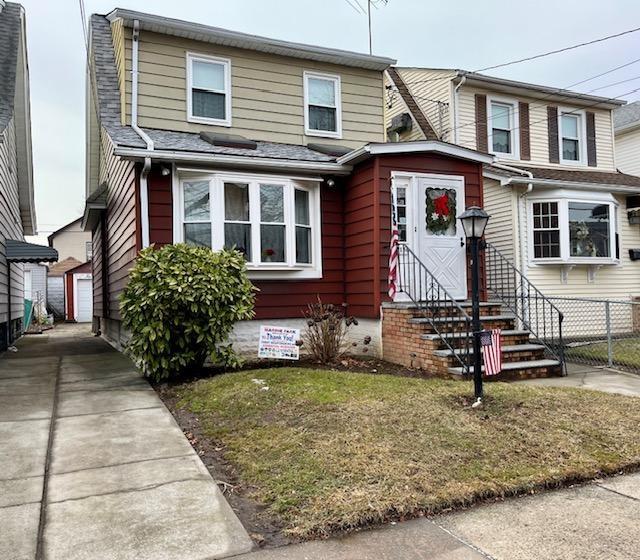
x=273 y=221
x=208 y=90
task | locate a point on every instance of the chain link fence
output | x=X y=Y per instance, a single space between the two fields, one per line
x=601 y=332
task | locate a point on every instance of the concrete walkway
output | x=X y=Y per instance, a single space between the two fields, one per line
x=93 y=466
x=592 y=377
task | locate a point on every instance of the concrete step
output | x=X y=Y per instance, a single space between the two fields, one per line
x=509 y=332
x=505 y=349
x=520 y=370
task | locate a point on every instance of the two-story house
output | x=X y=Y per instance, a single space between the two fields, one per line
x=211 y=137
x=558 y=202
x=17 y=212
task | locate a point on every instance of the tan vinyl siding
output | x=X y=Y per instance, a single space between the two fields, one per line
x=10 y=223
x=117 y=34
x=426 y=87
x=267 y=92
x=611 y=281
x=538 y=132
x=628 y=151
x=72 y=242
x=500 y=202
x=398 y=106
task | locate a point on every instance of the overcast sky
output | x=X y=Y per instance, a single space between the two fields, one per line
x=464 y=34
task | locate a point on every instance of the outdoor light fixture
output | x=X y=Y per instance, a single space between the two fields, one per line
x=165 y=171
x=474 y=220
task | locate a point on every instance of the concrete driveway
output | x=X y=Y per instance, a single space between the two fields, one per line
x=93 y=466
x=596 y=378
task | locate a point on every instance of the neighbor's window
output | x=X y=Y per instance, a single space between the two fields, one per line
x=571 y=134
x=209 y=89
x=501 y=121
x=272 y=222
x=546 y=230
x=322 y=111
x=589 y=230
x=573 y=230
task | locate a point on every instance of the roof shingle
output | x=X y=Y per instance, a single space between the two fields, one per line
x=626 y=115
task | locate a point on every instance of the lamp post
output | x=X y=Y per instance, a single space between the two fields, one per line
x=474 y=219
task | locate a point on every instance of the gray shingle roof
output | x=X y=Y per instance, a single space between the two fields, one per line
x=572 y=176
x=21 y=251
x=9 y=41
x=626 y=115
x=125 y=136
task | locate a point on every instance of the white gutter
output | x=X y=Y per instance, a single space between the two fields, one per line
x=144 y=190
x=223 y=159
x=455 y=108
x=520 y=202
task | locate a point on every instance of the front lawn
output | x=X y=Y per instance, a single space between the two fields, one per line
x=626 y=352
x=328 y=450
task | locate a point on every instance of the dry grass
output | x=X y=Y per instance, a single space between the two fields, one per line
x=330 y=450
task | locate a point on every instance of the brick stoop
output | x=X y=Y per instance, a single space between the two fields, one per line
x=409 y=339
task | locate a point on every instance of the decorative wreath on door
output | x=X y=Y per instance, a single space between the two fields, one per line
x=441 y=210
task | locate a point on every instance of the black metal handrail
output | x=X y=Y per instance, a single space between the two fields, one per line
x=535 y=311
x=445 y=315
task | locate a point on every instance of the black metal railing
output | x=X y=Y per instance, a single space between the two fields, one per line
x=445 y=315
x=533 y=310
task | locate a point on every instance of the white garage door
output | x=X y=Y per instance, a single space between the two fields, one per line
x=84 y=298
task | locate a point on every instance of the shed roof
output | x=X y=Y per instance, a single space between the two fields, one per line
x=21 y=251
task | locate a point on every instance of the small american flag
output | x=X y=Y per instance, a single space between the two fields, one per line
x=393 y=254
x=491 y=351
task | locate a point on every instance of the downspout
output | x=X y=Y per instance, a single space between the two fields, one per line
x=521 y=197
x=455 y=109
x=144 y=190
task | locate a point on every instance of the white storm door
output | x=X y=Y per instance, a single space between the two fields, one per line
x=440 y=237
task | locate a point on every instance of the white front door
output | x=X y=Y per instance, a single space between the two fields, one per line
x=439 y=235
x=84 y=300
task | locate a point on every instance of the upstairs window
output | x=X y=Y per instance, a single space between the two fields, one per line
x=322 y=105
x=502 y=129
x=209 y=90
x=571 y=137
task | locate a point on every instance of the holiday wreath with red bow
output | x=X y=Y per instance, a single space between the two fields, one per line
x=441 y=210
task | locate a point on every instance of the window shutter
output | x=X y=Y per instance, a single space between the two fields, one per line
x=552 y=124
x=525 y=142
x=482 y=141
x=592 y=160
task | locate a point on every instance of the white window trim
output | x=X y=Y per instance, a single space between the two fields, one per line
x=338 y=96
x=582 y=138
x=563 y=199
x=514 y=126
x=258 y=270
x=191 y=57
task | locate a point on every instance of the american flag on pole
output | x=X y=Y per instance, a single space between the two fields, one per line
x=491 y=351
x=393 y=254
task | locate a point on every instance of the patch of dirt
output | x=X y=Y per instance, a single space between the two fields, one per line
x=263 y=527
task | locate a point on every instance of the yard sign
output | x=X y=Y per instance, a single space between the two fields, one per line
x=279 y=343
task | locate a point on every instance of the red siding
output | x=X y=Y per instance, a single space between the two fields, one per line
x=68 y=294
x=160 y=208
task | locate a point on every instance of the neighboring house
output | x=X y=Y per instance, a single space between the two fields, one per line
x=72 y=241
x=56 y=286
x=626 y=122
x=558 y=202
x=17 y=213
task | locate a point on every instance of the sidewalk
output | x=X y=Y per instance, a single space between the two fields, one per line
x=119 y=479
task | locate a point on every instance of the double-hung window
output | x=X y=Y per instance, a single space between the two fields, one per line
x=322 y=105
x=572 y=137
x=273 y=221
x=208 y=90
x=503 y=139
x=574 y=229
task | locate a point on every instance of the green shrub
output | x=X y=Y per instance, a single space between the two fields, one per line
x=180 y=305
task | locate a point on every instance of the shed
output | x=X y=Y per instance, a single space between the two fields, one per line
x=78 y=293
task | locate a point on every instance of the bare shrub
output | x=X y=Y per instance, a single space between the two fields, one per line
x=325 y=334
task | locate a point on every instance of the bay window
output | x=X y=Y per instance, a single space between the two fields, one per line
x=274 y=222
x=573 y=229
x=322 y=105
